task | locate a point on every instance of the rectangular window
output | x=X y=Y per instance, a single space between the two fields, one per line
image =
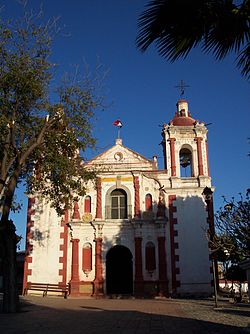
x=118 y=204
x=114 y=213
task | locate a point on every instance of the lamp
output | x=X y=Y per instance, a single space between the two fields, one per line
x=207 y=193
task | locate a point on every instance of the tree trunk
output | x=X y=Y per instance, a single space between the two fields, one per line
x=8 y=241
x=10 y=291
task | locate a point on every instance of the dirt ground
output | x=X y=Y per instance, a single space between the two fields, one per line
x=125 y=316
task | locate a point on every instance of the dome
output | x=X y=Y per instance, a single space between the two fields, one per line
x=182 y=116
x=183 y=121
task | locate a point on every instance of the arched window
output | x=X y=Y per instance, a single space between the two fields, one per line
x=150 y=257
x=87 y=204
x=148 y=202
x=185 y=163
x=118 y=204
x=87 y=258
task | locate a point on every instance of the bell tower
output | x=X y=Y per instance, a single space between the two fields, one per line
x=187 y=176
x=185 y=146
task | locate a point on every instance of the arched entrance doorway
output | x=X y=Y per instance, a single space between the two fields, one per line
x=119 y=271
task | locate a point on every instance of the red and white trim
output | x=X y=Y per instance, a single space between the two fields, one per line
x=99 y=198
x=138 y=267
x=98 y=281
x=208 y=169
x=172 y=156
x=137 y=197
x=64 y=248
x=173 y=243
x=163 y=286
x=28 y=247
x=75 y=280
x=200 y=157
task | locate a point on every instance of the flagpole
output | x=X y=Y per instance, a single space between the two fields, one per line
x=118 y=123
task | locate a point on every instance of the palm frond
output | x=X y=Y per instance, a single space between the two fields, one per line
x=177 y=26
x=243 y=61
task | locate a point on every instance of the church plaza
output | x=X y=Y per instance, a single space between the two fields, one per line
x=125 y=316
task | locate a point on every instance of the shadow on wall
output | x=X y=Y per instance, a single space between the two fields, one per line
x=160 y=219
x=188 y=233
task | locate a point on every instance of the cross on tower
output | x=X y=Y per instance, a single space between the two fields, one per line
x=182 y=87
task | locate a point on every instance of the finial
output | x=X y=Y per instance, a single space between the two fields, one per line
x=118 y=141
x=182 y=87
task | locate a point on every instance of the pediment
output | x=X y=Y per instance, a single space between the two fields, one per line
x=121 y=157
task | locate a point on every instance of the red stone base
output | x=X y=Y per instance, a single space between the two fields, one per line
x=163 y=288
x=98 y=288
x=74 y=288
x=138 y=288
x=86 y=288
x=150 y=288
x=141 y=289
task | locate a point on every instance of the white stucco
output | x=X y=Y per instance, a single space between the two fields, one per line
x=119 y=168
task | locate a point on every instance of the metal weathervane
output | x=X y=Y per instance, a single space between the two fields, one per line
x=181 y=86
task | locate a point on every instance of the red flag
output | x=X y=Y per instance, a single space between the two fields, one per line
x=117 y=123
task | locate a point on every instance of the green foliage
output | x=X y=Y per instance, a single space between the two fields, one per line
x=177 y=26
x=41 y=142
x=232 y=225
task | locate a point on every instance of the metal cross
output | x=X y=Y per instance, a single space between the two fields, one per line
x=182 y=87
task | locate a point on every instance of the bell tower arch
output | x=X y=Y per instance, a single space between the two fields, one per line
x=185 y=144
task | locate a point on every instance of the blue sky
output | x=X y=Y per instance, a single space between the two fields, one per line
x=140 y=88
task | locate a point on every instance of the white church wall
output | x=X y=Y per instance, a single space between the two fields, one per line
x=45 y=241
x=184 y=227
x=115 y=233
x=193 y=245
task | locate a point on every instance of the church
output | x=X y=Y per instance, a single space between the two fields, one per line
x=139 y=230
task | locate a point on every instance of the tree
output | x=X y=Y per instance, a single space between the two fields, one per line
x=230 y=242
x=236 y=273
x=41 y=142
x=177 y=26
x=232 y=226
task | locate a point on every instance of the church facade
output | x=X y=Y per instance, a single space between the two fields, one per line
x=138 y=230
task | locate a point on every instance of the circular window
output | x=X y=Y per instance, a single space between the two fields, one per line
x=118 y=156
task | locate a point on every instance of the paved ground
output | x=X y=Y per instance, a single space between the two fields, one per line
x=125 y=316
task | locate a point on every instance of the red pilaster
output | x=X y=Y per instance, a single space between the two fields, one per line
x=200 y=158
x=76 y=214
x=164 y=154
x=210 y=220
x=208 y=169
x=173 y=244
x=64 y=248
x=163 y=288
x=28 y=247
x=138 y=267
x=75 y=280
x=99 y=198
x=172 y=156
x=137 y=197
x=98 y=282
